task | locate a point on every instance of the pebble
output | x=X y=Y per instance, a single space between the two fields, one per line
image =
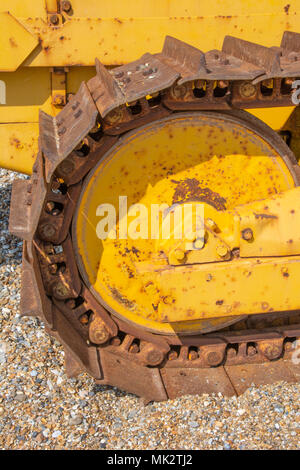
x=42 y=409
x=76 y=421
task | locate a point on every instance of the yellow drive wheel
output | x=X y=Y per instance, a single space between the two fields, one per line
x=222 y=160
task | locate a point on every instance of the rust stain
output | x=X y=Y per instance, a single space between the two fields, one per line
x=13 y=42
x=15 y=142
x=286 y=8
x=190 y=190
x=120 y=298
x=265 y=216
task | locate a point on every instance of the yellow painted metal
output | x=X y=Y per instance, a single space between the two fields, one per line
x=120 y=38
x=59 y=86
x=18 y=146
x=208 y=158
x=274 y=117
x=27 y=91
x=262 y=228
x=247 y=286
x=16 y=42
x=116 y=32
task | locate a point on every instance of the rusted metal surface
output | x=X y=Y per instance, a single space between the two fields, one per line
x=256 y=349
x=185 y=381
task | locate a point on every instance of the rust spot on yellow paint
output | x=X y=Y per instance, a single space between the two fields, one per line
x=12 y=42
x=15 y=142
x=190 y=190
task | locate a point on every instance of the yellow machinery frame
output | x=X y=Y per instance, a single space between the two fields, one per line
x=47 y=47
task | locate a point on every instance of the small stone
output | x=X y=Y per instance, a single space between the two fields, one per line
x=76 y=420
x=20 y=397
x=193 y=424
x=56 y=434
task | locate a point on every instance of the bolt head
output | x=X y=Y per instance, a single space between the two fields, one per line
x=66 y=167
x=66 y=5
x=214 y=358
x=198 y=243
x=179 y=254
x=54 y=19
x=47 y=231
x=247 y=90
x=247 y=234
x=58 y=100
x=222 y=251
x=154 y=357
x=179 y=92
x=98 y=332
x=60 y=290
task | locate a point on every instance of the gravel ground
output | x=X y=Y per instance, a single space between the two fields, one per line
x=40 y=408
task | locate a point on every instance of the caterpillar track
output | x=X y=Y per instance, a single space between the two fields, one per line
x=224 y=352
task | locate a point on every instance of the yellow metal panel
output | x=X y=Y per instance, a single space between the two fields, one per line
x=24 y=8
x=163 y=8
x=27 y=91
x=16 y=42
x=120 y=40
x=274 y=117
x=18 y=146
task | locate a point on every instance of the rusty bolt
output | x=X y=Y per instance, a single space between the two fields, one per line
x=272 y=351
x=178 y=92
x=247 y=234
x=66 y=6
x=47 y=231
x=172 y=356
x=98 y=332
x=222 y=251
x=60 y=290
x=152 y=355
x=54 y=19
x=167 y=299
x=214 y=358
x=247 y=90
x=58 y=100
